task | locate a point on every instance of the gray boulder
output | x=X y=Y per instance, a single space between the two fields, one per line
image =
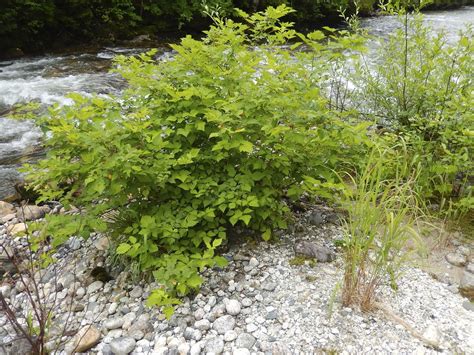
x=311 y=250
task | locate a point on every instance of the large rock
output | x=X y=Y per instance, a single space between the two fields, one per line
x=466 y=286
x=312 y=250
x=86 y=338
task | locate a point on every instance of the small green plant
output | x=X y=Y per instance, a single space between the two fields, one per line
x=382 y=210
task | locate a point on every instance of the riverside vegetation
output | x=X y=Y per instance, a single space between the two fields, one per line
x=239 y=125
x=38 y=25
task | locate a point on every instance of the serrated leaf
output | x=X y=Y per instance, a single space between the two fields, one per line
x=194 y=281
x=123 y=248
x=246 y=146
x=168 y=311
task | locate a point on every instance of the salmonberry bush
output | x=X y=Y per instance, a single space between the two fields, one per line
x=219 y=135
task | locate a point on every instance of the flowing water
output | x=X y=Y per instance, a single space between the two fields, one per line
x=48 y=79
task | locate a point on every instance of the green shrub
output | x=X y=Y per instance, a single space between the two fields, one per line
x=421 y=89
x=214 y=137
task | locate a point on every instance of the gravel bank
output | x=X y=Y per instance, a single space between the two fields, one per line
x=259 y=304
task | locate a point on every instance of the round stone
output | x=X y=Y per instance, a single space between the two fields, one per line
x=113 y=323
x=214 y=345
x=245 y=340
x=230 y=335
x=122 y=346
x=224 y=324
x=202 y=324
x=233 y=307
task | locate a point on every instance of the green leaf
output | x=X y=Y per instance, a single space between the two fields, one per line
x=123 y=248
x=246 y=146
x=168 y=311
x=194 y=281
x=267 y=234
x=246 y=218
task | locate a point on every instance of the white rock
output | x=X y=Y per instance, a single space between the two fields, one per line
x=241 y=351
x=202 y=324
x=113 y=323
x=251 y=328
x=230 y=335
x=195 y=349
x=432 y=334
x=112 y=308
x=183 y=348
x=223 y=324
x=456 y=259
x=246 y=302
x=233 y=307
x=253 y=262
x=214 y=345
x=122 y=346
x=95 y=286
x=199 y=314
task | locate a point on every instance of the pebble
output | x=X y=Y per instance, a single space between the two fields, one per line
x=114 y=323
x=224 y=324
x=230 y=335
x=433 y=334
x=214 y=345
x=122 y=346
x=95 y=286
x=202 y=324
x=271 y=308
x=456 y=259
x=233 y=307
x=136 y=292
x=245 y=340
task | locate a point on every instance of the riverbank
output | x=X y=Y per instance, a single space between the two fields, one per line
x=268 y=300
x=58 y=28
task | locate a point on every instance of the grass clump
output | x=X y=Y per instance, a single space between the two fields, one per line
x=382 y=211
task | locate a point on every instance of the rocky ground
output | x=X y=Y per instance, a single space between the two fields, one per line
x=265 y=302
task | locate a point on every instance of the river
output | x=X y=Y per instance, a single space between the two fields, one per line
x=48 y=79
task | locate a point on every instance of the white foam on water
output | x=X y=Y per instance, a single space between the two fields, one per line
x=16 y=136
x=51 y=90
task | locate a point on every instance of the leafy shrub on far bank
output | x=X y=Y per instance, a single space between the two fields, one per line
x=421 y=89
x=217 y=136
